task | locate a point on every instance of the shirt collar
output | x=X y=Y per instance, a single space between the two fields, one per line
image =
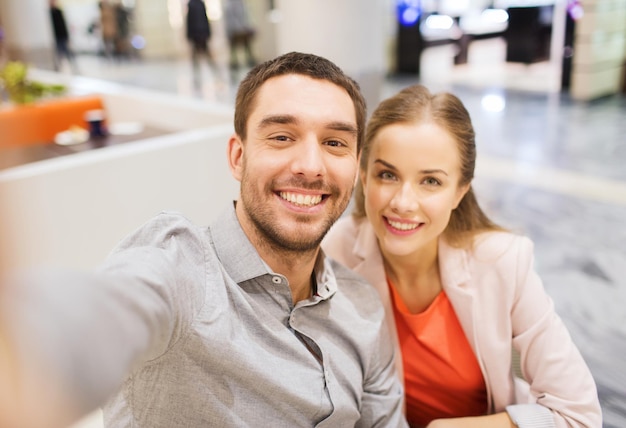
x=325 y=276
x=242 y=261
x=234 y=250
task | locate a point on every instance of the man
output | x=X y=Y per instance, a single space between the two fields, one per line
x=61 y=38
x=244 y=323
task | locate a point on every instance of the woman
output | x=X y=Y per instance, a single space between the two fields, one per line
x=460 y=291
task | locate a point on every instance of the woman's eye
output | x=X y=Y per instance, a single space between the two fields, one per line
x=386 y=175
x=432 y=181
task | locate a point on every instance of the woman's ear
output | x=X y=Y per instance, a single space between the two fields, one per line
x=362 y=176
x=235 y=156
x=460 y=192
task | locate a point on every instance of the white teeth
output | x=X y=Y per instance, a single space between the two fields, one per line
x=300 y=199
x=402 y=226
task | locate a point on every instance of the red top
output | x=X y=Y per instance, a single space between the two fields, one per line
x=442 y=377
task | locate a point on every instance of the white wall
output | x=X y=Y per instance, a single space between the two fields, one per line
x=599 y=49
x=27 y=31
x=71 y=211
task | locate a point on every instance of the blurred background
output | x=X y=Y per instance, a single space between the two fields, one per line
x=544 y=81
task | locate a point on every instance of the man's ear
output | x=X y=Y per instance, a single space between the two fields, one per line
x=235 y=156
x=358 y=169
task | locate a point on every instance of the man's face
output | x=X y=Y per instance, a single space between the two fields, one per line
x=298 y=165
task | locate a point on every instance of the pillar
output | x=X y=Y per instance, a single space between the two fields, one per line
x=161 y=24
x=347 y=32
x=599 y=56
x=27 y=31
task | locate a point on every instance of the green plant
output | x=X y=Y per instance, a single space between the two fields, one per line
x=20 y=90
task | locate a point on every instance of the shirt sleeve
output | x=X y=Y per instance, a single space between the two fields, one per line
x=91 y=329
x=383 y=395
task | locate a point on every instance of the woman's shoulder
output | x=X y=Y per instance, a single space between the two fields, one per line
x=346 y=227
x=495 y=259
x=497 y=245
x=340 y=240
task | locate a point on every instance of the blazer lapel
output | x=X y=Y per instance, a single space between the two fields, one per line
x=455 y=277
x=370 y=266
x=457 y=282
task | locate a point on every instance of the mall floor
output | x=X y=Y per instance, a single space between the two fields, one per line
x=549 y=167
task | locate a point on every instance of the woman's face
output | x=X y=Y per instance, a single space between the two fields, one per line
x=411 y=186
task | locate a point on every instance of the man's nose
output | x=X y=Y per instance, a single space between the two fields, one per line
x=309 y=159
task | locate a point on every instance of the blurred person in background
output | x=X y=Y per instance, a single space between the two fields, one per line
x=61 y=38
x=123 y=47
x=198 y=33
x=240 y=32
x=460 y=291
x=108 y=27
x=242 y=323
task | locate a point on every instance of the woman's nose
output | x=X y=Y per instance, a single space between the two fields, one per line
x=406 y=199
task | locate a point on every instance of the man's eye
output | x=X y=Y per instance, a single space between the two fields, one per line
x=334 y=143
x=281 y=138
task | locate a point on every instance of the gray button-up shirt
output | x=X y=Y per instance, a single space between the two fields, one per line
x=216 y=339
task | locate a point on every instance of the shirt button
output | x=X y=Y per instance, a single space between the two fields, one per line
x=276 y=279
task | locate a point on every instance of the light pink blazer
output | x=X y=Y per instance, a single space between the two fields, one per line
x=500 y=302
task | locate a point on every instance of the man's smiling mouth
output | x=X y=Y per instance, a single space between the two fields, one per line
x=300 y=199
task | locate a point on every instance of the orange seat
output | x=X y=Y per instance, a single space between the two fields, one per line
x=39 y=122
